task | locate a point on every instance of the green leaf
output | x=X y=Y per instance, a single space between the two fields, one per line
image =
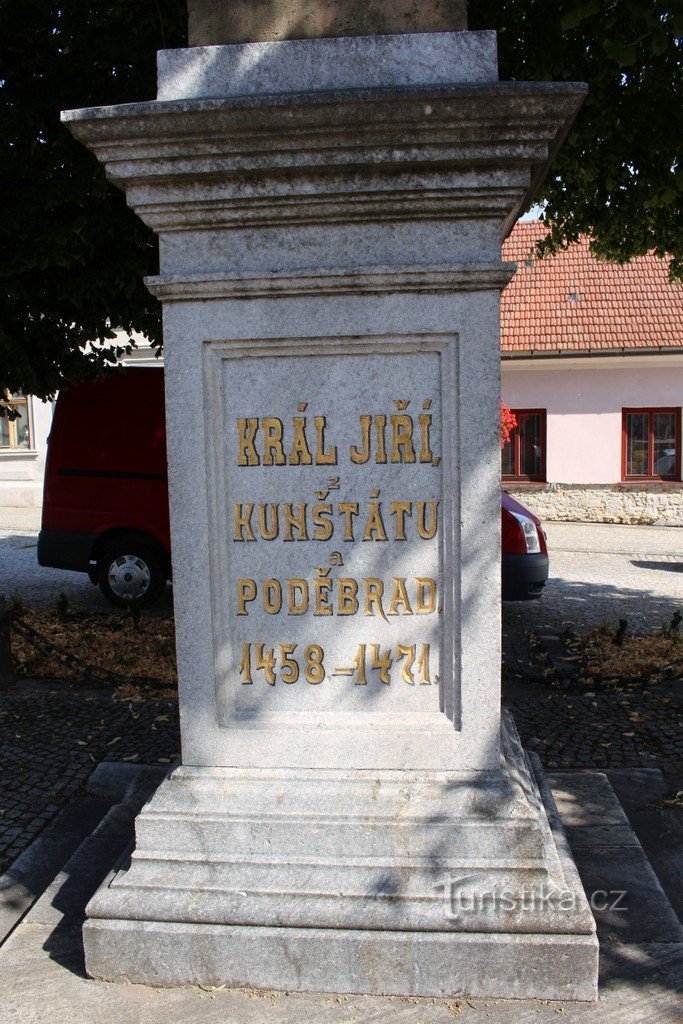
x=624 y=55
x=578 y=15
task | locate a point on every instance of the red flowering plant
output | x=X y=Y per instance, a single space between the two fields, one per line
x=508 y=422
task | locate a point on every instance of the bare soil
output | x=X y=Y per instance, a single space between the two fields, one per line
x=82 y=647
x=603 y=655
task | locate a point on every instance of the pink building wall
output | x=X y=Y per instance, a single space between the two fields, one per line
x=584 y=399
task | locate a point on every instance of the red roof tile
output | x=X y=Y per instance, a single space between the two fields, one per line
x=615 y=307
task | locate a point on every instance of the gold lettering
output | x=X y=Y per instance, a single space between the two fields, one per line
x=347 y=589
x=293 y=586
x=375 y=523
x=269 y=532
x=374 y=589
x=295 y=521
x=426 y=602
x=300 y=455
x=426 y=454
x=380 y=424
x=400 y=598
x=322 y=588
x=402 y=449
x=401 y=509
x=246 y=433
x=322 y=457
x=302 y=595
x=362 y=454
x=427 y=532
x=243 y=521
x=272 y=596
x=273 y=452
x=246 y=591
x=348 y=509
x=323 y=526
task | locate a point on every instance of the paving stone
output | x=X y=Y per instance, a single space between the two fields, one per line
x=37 y=779
x=64 y=901
x=643 y=792
x=628 y=902
x=31 y=873
x=626 y=897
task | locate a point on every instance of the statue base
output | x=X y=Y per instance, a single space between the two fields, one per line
x=430 y=884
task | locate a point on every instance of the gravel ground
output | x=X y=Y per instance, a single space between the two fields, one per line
x=600 y=572
x=52 y=735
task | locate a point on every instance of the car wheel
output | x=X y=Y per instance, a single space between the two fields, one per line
x=130 y=573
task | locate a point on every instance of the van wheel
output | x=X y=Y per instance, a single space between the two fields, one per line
x=130 y=573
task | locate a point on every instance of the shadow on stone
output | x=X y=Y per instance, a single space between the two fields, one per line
x=662 y=566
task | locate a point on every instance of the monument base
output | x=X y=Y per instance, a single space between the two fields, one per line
x=336 y=960
x=429 y=884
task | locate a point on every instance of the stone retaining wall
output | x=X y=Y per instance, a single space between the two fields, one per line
x=655 y=505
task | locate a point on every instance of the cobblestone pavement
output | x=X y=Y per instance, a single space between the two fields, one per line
x=600 y=572
x=573 y=729
x=51 y=738
x=52 y=735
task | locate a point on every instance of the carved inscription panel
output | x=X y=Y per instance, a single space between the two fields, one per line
x=330 y=498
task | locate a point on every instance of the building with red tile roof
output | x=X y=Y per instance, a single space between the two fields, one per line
x=592 y=363
x=573 y=303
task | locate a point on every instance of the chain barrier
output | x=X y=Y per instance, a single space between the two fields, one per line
x=668 y=673
x=91 y=673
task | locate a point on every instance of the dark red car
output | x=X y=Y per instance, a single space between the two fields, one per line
x=525 y=552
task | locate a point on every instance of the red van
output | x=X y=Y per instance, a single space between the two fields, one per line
x=105 y=500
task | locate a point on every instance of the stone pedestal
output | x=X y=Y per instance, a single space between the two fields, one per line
x=330 y=215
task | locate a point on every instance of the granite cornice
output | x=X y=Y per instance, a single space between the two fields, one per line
x=270 y=208
x=544 y=97
x=442 y=279
x=163 y=144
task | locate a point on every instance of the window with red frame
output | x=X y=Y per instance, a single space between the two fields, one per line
x=523 y=457
x=651 y=445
